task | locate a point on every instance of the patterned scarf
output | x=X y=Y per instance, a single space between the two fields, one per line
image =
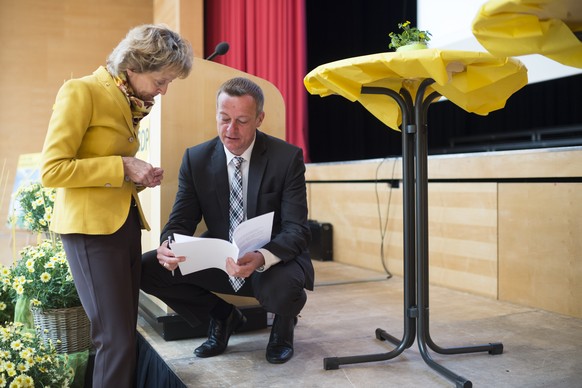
x=139 y=108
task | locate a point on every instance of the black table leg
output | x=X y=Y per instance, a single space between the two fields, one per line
x=408 y=232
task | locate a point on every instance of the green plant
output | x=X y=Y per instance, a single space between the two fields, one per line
x=407 y=36
x=6 y=295
x=36 y=205
x=42 y=275
x=26 y=361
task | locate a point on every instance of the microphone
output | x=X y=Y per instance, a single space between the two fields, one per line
x=221 y=49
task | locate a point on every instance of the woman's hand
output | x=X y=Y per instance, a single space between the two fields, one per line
x=142 y=173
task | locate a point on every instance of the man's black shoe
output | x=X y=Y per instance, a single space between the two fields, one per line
x=280 y=347
x=218 y=334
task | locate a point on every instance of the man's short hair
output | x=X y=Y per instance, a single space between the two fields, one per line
x=241 y=86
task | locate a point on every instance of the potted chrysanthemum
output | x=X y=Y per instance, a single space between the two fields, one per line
x=27 y=361
x=411 y=38
x=42 y=277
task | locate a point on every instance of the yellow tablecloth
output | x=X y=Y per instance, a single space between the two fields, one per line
x=522 y=27
x=476 y=81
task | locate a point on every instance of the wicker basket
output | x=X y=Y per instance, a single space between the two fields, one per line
x=70 y=326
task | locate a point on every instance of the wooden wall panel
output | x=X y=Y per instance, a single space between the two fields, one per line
x=540 y=246
x=463 y=236
x=389 y=168
x=353 y=211
x=549 y=162
x=184 y=16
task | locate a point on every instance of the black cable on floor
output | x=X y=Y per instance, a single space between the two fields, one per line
x=383 y=228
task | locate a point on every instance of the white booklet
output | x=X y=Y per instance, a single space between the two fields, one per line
x=203 y=253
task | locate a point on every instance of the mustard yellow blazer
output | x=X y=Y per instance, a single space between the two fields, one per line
x=89 y=131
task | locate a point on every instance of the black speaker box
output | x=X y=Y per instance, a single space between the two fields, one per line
x=321 y=246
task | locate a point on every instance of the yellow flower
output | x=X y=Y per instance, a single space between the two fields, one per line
x=30 y=264
x=23 y=381
x=16 y=345
x=26 y=353
x=9 y=366
x=19 y=289
x=28 y=336
x=29 y=363
x=45 y=277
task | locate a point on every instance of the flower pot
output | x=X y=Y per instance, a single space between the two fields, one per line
x=412 y=46
x=68 y=329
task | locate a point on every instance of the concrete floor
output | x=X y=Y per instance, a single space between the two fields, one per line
x=541 y=349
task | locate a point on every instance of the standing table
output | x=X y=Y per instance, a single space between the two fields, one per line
x=398 y=88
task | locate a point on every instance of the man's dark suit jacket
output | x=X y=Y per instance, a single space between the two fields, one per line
x=276 y=182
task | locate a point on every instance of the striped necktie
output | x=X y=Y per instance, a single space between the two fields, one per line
x=236 y=210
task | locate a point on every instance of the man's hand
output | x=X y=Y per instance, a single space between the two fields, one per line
x=166 y=257
x=246 y=265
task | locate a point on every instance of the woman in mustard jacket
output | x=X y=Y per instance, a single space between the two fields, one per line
x=88 y=155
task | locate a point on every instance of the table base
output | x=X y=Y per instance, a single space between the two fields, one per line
x=415 y=230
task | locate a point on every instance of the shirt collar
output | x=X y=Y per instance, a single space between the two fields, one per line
x=245 y=155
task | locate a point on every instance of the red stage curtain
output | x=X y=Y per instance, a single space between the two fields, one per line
x=268 y=39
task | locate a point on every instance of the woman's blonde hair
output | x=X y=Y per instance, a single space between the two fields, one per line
x=151 y=47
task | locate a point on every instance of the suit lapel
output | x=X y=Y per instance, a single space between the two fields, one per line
x=256 y=172
x=108 y=83
x=220 y=176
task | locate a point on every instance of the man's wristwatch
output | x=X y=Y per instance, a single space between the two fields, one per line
x=262 y=267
